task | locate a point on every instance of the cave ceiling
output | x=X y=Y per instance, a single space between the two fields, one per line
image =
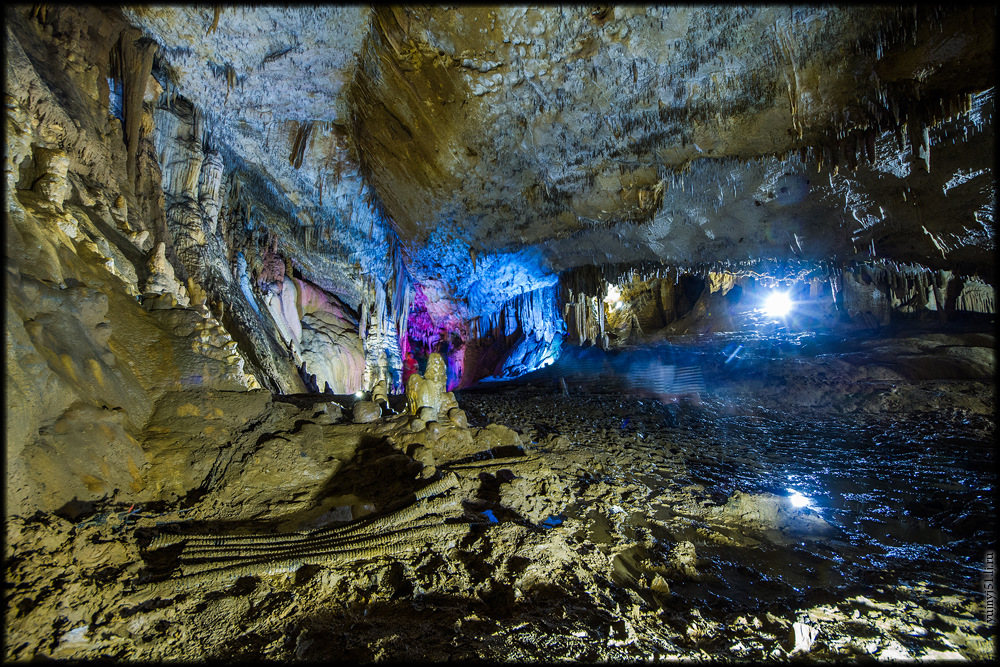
x=506 y=144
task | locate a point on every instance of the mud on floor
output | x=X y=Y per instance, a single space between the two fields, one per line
x=617 y=529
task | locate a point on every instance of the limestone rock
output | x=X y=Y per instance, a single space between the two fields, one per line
x=187 y=226
x=458 y=418
x=772 y=517
x=429 y=391
x=287 y=471
x=87 y=455
x=191 y=436
x=317 y=329
x=418 y=395
x=162 y=279
x=202 y=351
x=380 y=394
x=196 y=294
x=449 y=443
x=366 y=412
x=536 y=497
x=684 y=560
x=112 y=260
x=119 y=212
x=328 y=413
x=53 y=185
x=209 y=183
x=436 y=373
x=331 y=352
x=282 y=305
x=660 y=585
x=424 y=455
x=448 y=402
x=496 y=435
x=141 y=240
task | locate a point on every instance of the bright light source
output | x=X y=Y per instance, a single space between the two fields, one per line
x=359 y=394
x=614 y=297
x=797 y=499
x=777 y=305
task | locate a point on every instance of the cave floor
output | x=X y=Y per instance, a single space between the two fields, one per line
x=899 y=516
x=620 y=528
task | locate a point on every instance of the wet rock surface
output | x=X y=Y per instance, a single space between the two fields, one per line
x=591 y=526
x=201 y=239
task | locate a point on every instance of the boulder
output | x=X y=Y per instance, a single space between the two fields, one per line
x=366 y=412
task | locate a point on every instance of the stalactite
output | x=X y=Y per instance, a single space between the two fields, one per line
x=909 y=288
x=131 y=63
x=299 y=144
x=535 y=313
x=976 y=296
x=216 y=10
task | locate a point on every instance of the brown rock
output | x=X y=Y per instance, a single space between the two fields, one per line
x=366 y=412
x=458 y=418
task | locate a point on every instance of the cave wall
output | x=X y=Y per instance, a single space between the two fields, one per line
x=131 y=271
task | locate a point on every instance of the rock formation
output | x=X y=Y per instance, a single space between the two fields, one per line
x=255 y=256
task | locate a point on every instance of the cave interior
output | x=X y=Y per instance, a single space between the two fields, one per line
x=595 y=333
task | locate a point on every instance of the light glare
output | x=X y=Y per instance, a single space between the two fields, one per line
x=614 y=297
x=797 y=499
x=778 y=304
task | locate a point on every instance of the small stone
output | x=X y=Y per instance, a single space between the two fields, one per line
x=417 y=424
x=434 y=429
x=458 y=418
x=328 y=413
x=366 y=412
x=659 y=584
x=423 y=455
x=427 y=414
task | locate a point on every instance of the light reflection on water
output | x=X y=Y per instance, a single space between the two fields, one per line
x=910 y=495
x=910 y=499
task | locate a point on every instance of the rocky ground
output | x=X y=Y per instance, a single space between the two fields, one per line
x=528 y=525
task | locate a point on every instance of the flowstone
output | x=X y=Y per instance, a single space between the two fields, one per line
x=430 y=391
x=162 y=279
